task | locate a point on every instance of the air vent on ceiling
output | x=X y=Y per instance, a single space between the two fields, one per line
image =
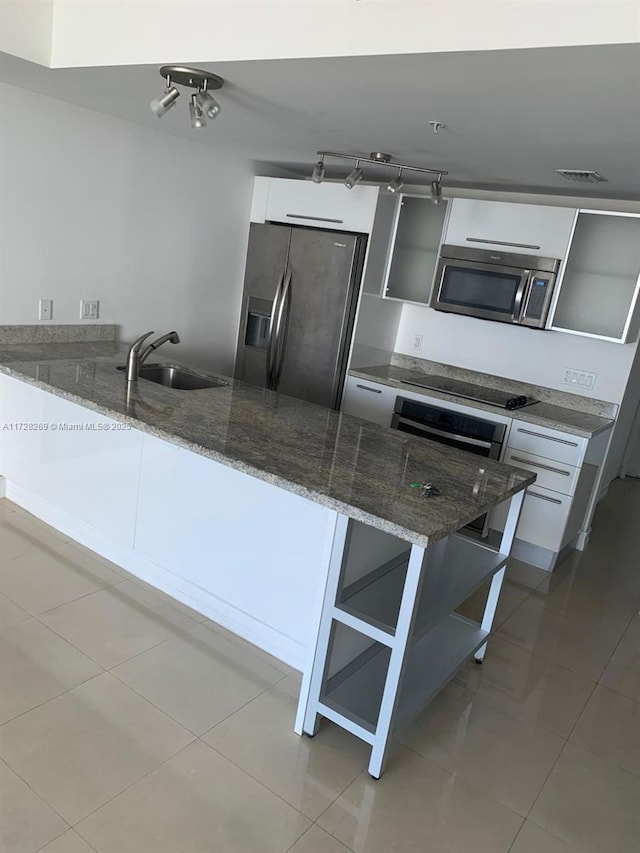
x=581 y=177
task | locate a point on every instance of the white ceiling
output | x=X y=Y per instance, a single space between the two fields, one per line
x=512 y=116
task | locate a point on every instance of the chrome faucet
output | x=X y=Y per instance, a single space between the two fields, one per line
x=135 y=358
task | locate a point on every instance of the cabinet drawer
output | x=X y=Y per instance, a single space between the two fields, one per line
x=556 y=476
x=369 y=400
x=548 y=443
x=543 y=518
x=330 y=206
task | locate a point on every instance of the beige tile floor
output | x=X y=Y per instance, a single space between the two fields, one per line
x=131 y=724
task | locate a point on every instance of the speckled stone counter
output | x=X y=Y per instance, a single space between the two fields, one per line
x=341 y=462
x=591 y=418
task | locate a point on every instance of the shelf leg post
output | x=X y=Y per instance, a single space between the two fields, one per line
x=393 y=682
x=515 y=505
x=307 y=717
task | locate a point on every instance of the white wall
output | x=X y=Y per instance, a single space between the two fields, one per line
x=122 y=32
x=94 y=207
x=528 y=355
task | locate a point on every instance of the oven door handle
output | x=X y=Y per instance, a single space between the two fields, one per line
x=476 y=442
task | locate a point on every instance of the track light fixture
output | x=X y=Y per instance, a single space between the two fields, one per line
x=202 y=104
x=318 y=171
x=378 y=158
x=354 y=177
x=197 y=116
x=436 y=191
x=396 y=184
x=163 y=103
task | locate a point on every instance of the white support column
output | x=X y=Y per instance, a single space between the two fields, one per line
x=307 y=715
x=393 y=681
x=515 y=505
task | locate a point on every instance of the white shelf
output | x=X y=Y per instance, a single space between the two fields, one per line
x=356 y=691
x=433 y=661
x=454 y=570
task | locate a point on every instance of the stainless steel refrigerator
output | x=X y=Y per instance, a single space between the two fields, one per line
x=300 y=293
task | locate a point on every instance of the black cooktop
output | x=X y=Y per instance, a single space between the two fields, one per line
x=502 y=399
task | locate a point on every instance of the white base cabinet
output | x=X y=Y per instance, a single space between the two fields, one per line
x=247 y=554
x=369 y=400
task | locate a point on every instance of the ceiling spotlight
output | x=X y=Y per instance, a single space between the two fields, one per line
x=202 y=104
x=208 y=103
x=354 y=177
x=396 y=184
x=318 y=171
x=162 y=104
x=436 y=192
x=197 y=116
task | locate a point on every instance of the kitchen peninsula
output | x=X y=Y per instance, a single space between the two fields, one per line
x=264 y=513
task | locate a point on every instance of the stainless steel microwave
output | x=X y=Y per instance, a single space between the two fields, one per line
x=494 y=285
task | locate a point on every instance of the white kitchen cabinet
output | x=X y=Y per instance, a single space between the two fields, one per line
x=547 y=443
x=233 y=538
x=543 y=519
x=415 y=246
x=555 y=476
x=326 y=205
x=369 y=400
x=528 y=229
x=598 y=292
x=556 y=506
x=83 y=463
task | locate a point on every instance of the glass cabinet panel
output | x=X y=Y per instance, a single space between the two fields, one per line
x=601 y=276
x=415 y=249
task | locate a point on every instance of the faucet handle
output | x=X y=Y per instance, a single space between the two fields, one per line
x=135 y=346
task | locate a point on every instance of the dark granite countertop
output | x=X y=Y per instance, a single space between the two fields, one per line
x=543 y=413
x=338 y=461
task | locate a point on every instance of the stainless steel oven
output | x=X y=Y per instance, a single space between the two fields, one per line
x=455 y=429
x=494 y=285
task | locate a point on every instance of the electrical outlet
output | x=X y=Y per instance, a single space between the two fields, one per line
x=45 y=309
x=417 y=342
x=578 y=378
x=89 y=309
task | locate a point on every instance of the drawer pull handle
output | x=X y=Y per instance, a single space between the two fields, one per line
x=548 y=437
x=373 y=390
x=501 y=243
x=540 y=465
x=544 y=497
x=314 y=218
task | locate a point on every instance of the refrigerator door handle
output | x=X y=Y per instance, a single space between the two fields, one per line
x=282 y=329
x=272 y=333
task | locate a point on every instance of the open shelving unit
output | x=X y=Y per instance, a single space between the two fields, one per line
x=388 y=638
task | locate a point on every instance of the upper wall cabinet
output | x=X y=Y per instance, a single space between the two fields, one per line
x=326 y=205
x=528 y=229
x=415 y=245
x=599 y=287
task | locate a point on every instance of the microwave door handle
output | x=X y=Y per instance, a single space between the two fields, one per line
x=282 y=329
x=272 y=333
x=520 y=294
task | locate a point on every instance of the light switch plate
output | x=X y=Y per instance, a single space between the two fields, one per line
x=417 y=342
x=89 y=309
x=578 y=378
x=45 y=309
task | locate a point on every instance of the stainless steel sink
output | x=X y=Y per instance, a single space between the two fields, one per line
x=180 y=378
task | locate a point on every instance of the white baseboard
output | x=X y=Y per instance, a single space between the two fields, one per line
x=244 y=625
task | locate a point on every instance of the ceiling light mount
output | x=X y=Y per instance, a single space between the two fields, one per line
x=378 y=158
x=194 y=78
x=202 y=104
